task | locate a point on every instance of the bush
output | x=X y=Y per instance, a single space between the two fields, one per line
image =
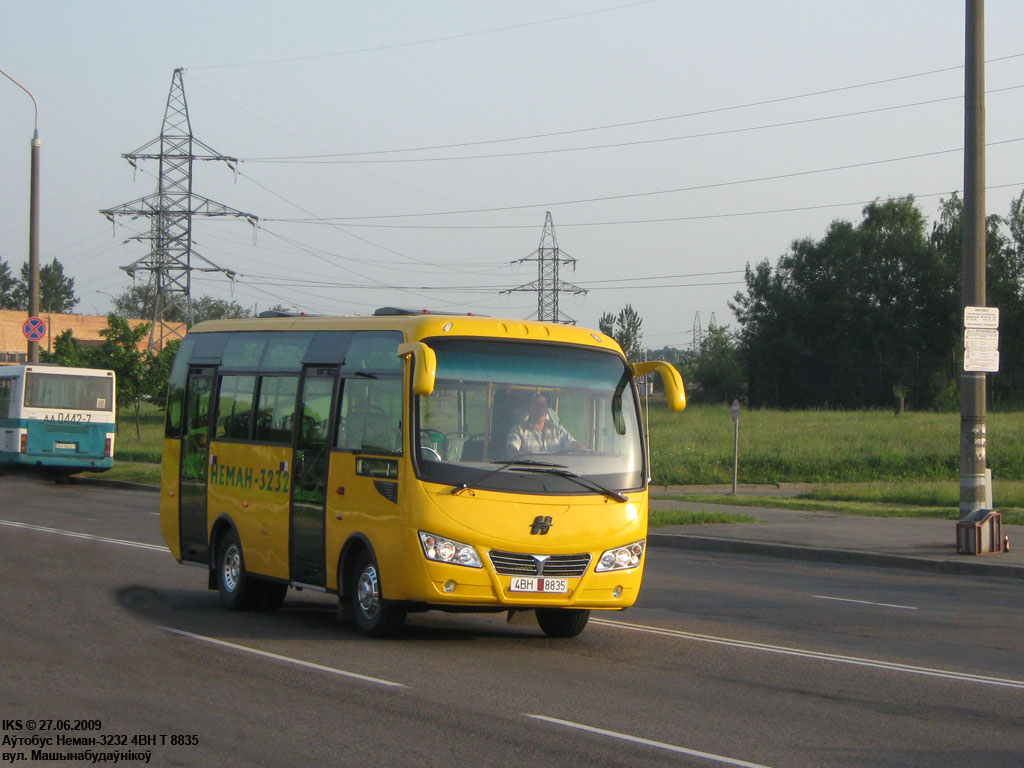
x=948 y=398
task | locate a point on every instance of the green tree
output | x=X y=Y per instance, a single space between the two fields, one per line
x=1004 y=257
x=67 y=351
x=120 y=353
x=8 y=284
x=209 y=308
x=139 y=301
x=716 y=371
x=851 y=318
x=158 y=373
x=56 y=290
x=1005 y=272
x=625 y=329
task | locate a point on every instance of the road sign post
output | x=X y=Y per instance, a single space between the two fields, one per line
x=735 y=442
x=34 y=329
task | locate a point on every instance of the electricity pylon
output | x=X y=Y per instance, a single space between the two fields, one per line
x=548 y=284
x=172 y=260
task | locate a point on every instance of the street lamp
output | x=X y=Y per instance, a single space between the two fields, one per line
x=33 y=223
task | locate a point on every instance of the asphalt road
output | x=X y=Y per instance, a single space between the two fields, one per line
x=726 y=660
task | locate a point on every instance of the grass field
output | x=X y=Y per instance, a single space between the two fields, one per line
x=662 y=517
x=696 y=446
x=145 y=447
x=861 y=462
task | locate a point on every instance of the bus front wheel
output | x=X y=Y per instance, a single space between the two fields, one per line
x=373 y=615
x=562 y=622
x=232 y=582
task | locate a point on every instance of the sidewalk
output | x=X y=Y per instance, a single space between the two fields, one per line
x=909 y=543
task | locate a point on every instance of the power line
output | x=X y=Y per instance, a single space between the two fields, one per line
x=425 y=41
x=650 y=193
x=333 y=159
x=334 y=224
x=595 y=284
x=663 y=118
x=664 y=219
x=487 y=289
x=428 y=267
x=661 y=277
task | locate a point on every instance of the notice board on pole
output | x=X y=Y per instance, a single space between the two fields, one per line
x=981 y=339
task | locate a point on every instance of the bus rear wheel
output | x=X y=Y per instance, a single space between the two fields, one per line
x=373 y=615
x=562 y=622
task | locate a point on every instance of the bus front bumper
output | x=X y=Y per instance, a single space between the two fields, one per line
x=453 y=586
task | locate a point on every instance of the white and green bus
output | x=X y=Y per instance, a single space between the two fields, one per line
x=56 y=420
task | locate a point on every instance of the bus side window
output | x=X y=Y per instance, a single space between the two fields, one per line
x=371 y=416
x=234 y=406
x=276 y=408
x=5 y=398
x=176 y=387
x=374 y=350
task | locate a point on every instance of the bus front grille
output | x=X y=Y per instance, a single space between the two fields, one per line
x=520 y=564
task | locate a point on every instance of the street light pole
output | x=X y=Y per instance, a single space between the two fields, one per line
x=973 y=437
x=33 y=223
x=33 y=246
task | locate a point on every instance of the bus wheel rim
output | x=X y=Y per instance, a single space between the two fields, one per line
x=232 y=568
x=367 y=591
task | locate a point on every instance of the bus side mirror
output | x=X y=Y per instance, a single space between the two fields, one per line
x=424 y=365
x=675 y=393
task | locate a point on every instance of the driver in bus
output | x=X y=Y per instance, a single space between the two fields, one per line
x=537 y=432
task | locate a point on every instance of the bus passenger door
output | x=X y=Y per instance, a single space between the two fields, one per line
x=194 y=465
x=309 y=478
x=364 y=475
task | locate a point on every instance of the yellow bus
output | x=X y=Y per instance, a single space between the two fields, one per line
x=410 y=461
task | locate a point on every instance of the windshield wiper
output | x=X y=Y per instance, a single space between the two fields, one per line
x=541 y=465
x=586 y=482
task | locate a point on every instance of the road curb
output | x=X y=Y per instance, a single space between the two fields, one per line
x=968 y=566
x=121 y=484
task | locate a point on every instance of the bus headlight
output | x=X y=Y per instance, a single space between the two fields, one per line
x=443 y=550
x=621 y=557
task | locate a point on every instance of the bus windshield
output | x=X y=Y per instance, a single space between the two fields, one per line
x=69 y=391
x=528 y=418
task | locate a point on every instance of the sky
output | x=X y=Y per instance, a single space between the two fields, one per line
x=406 y=153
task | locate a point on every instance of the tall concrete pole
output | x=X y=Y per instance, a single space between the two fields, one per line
x=33 y=246
x=973 y=436
x=33 y=223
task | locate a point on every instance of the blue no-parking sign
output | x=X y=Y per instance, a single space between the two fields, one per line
x=34 y=329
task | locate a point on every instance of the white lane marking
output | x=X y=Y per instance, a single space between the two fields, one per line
x=287 y=659
x=864 y=602
x=648 y=742
x=833 y=657
x=76 y=535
